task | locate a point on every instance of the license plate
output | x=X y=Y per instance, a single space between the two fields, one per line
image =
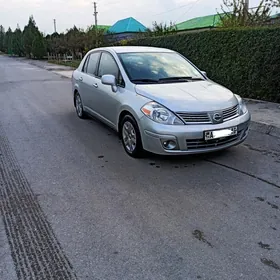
x=222 y=133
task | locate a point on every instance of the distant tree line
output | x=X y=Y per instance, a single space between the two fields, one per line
x=75 y=42
x=30 y=42
x=33 y=44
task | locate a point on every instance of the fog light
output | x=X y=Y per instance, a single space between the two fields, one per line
x=169 y=144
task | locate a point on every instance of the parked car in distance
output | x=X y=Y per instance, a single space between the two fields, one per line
x=158 y=101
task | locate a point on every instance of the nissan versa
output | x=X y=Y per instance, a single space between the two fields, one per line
x=158 y=101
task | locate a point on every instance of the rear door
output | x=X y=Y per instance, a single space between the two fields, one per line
x=88 y=82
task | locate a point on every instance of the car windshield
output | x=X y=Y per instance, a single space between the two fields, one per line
x=155 y=67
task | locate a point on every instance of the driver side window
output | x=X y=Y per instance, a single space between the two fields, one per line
x=108 y=66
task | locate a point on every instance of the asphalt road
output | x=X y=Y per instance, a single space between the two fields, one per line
x=75 y=206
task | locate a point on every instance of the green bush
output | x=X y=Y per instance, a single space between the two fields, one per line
x=247 y=61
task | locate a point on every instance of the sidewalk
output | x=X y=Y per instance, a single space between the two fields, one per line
x=265 y=115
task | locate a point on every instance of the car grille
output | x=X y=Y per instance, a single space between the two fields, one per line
x=195 y=117
x=205 y=117
x=230 y=113
x=193 y=144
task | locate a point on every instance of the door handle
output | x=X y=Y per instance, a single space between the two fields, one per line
x=95 y=85
x=81 y=79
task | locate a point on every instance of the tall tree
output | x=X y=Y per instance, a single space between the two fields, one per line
x=17 y=42
x=75 y=40
x=2 y=38
x=8 y=41
x=29 y=33
x=236 y=14
x=38 y=46
x=94 y=37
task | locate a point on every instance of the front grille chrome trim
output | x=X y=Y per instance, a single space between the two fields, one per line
x=207 y=117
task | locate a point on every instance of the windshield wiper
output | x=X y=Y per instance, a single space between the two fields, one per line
x=168 y=79
x=183 y=79
x=152 y=81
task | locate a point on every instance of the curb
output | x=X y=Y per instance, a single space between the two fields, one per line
x=50 y=67
x=265 y=129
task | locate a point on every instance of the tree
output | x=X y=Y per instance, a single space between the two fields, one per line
x=2 y=38
x=236 y=14
x=94 y=37
x=8 y=40
x=75 y=41
x=161 y=29
x=29 y=33
x=17 y=42
x=38 y=46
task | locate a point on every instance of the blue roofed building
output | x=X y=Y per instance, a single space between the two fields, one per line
x=126 y=29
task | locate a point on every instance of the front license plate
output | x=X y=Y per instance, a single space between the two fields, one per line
x=216 y=134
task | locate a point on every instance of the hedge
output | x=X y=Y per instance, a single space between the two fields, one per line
x=247 y=61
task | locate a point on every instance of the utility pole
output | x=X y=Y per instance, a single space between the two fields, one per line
x=246 y=8
x=95 y=17
x=95 y=14
x=54 y=25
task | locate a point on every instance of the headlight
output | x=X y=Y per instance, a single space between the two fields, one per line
x=242 y=106
x=160 y=114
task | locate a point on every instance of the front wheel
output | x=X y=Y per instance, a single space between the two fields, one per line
x=131 y=137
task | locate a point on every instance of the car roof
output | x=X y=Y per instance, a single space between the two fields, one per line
x=132 y=49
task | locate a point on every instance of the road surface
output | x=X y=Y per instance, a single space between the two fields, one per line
x=75 y=206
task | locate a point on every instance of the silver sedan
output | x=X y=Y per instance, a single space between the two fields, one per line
x=158 y=101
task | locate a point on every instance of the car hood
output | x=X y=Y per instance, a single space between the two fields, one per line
x=190 y=96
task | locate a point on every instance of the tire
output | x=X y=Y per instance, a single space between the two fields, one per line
x=131 y=137
x=79 y=106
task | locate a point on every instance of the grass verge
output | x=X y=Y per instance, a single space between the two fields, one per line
x=73 y=63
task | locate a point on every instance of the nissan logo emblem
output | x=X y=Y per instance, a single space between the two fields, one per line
x=217 y=117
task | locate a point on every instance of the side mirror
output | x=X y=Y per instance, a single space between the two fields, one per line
x=204 y=73
x=109 y=80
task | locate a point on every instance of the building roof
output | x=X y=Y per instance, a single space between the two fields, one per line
x=206 y=22
x=275 y=16
x=199 y=22
x=105 y=27
x=127 y=25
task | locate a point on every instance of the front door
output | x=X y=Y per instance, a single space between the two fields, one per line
x=108 y=101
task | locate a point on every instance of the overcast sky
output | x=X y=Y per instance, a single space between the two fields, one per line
x=80 y=12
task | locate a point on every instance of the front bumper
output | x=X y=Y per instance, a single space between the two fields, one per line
x=190 y=138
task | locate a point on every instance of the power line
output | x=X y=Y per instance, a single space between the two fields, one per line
x=168 y=11
x=194 y=3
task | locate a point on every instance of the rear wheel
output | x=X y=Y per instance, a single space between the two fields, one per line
x=131 y=137
x=79 y=106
